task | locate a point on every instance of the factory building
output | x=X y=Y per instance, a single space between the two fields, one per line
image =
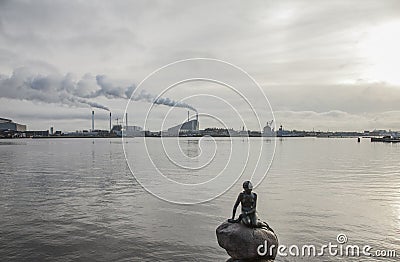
x=132 y=131
x=189 y=127
x=8 y=124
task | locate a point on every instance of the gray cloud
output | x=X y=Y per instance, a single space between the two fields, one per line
x=300 y=51
x=352 y=98
x=338 y=120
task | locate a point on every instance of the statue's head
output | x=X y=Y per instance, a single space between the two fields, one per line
x=247 y=186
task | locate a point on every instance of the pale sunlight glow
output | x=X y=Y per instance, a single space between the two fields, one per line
x=381 y=49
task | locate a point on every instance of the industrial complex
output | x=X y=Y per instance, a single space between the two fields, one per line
x=189 y=128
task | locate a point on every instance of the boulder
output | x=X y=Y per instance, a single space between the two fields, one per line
x=242 y=242
x=251 y=260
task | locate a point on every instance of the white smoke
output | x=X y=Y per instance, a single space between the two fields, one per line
x=144 y=96
x=23 y=84
x=109 y=90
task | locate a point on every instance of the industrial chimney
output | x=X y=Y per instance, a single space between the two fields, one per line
x=110 y=122
x=188 y=115
x=92 y=120
x=197 y=120
x=126 y=119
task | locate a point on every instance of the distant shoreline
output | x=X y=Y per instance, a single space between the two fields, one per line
x=116 y=137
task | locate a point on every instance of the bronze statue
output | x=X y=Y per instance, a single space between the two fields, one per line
x=248 y=201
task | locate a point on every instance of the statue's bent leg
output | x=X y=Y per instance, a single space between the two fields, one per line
x=246 y=220
x=253 y=219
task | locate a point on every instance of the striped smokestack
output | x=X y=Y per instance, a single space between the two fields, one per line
x=197 y=120
x=110 y=122
x=92 y=120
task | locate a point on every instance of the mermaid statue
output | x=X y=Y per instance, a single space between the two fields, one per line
x=248 y=201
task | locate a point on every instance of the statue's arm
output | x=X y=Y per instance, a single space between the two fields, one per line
x=239 y=198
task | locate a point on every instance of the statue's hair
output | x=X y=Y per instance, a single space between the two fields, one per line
x=247 y=185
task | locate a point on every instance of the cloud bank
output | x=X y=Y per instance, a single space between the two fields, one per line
x=308 y=56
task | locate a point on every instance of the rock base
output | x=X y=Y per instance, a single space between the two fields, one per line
x=251 y=260
x=241 y=242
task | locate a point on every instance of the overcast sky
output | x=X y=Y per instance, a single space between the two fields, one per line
x=327 y=65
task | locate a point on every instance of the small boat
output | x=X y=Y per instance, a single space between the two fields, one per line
x=386 y=139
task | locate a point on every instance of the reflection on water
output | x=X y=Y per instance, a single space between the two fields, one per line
x=190 y=147
x=69 y=199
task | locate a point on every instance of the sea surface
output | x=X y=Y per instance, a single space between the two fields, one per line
x=77 y=199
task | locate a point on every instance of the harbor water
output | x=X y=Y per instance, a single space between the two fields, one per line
x=77 y=200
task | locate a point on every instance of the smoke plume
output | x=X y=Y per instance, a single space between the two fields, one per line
x=23 y=84
x=144 y=96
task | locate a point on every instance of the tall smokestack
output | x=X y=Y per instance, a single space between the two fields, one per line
x=126 y=119
x=92 y=120
x=197 y=120
x=110 y=122
x=188 y=115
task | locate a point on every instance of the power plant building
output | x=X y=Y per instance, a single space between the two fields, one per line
x=191 y=126
x=132 y=131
